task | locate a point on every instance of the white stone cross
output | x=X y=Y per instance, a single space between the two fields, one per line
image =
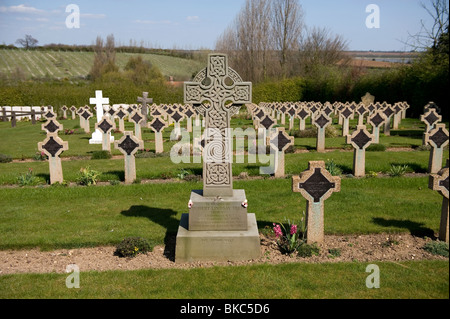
x=99 y=101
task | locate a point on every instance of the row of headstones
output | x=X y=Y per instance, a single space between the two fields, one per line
x=374 y=113
x=360 y=139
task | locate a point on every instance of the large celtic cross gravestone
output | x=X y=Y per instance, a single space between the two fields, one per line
x=224 y=89
x=439 y=182
x=217 y=227
x=315 y=184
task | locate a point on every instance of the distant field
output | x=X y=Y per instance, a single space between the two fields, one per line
x=59 y=64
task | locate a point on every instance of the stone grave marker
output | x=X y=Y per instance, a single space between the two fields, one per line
x=158 y=125
x=360 y=140
x=346 y=114
x=217 y=226
x=64 y=109
x=86 y=115
x=303 y=113
x=120 y=114
x=80 y=111
x=439 y=182
x=188 y=113
x=321 y=122
x=291 y=112
x=367 y=99
x=430 y=118
x=73 y=110
x=266 y=123
x=361 y=110
x=99 y=101
x=128 y=145
x=437 y=138
x=397 y=115
x=144 y=99
x=176 y=117
x=53 y=146
x=388 y=112
x=280 y=142
x=316 y=185
x=136 y=117
x=105 y=126
x=376 y=120
x=49 y=114
x=52 y=126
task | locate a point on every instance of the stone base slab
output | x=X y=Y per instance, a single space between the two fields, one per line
x=193 y=246
x=218 y=213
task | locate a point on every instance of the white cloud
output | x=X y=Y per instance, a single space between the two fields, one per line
x=192 y=18
x=21 y=8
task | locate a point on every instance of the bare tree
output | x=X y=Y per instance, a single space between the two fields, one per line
x=430 y=36
x=320 y=47
x=287 y=29
x=27 y=42
x=104 y=57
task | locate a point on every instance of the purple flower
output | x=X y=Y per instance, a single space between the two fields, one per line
x=277 y=230
x=293 y=229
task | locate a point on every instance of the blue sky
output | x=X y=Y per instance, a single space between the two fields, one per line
x=193 y=24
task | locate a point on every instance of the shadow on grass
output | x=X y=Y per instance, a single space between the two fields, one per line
x=44 y=176
x=120 y=174
x=416 y=229
x=165 y=218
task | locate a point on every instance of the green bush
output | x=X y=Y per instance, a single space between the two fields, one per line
x=101 y=155
x=397 y=170
x=87 y=176
x=333 y=168
x=437 y=248
x=376 y=148
x=28 y=179
x=132 y=246
x=5 y=158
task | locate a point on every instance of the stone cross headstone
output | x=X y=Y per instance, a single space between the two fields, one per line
x=430 y=118
x=52 y=126
x=176 y=117
x=360 y=140
x=136 y=117
x=376 y=120
x=266 y=123
x=437 y=138
x=439 y=182
x=73 y=110
x=80 y=111
x=86 y=115
x=388 y=112
x=144 y=99
x=128 y=145
x=210 y=85
x=346 y=114
x=99 y=101
x=302 y=113
x=280 y=142
x=397 y=107
x=316 y=185
x=120 y=114
x=291 y=112
x=361 y=110
x=188 y=113
x=105 y=126
x=64 y=109
x=217 y=226
x=367 y=99
x=158 y=125
x=53 y=146
x=321 y=121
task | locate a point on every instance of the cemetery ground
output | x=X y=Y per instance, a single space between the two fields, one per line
x=378 y=219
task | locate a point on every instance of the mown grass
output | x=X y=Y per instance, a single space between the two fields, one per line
x=404 y=280
x=68 y=217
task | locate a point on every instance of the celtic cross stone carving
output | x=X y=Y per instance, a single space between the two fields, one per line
x=217 y=93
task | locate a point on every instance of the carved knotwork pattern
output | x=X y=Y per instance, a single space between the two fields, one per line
x=217 y=174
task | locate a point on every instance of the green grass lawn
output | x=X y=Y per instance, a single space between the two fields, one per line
x=405 y=280
x=68 y=217
x=51 y=217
